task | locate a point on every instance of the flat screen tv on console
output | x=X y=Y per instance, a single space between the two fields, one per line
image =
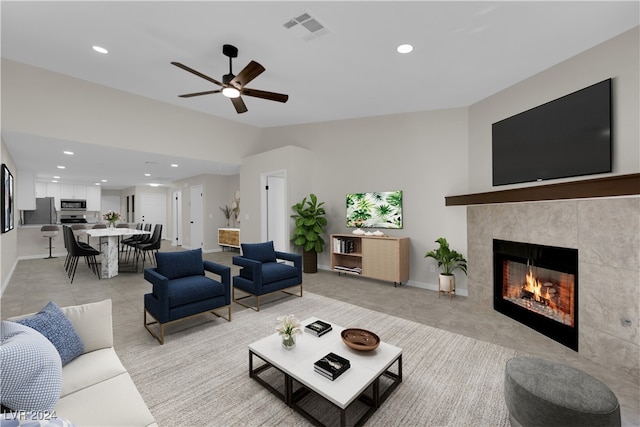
x=570 y=136
x=375 y=210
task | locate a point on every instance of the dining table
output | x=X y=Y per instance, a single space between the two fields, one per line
x=109 y=247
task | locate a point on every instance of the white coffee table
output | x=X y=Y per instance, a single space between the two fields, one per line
x=367 y=367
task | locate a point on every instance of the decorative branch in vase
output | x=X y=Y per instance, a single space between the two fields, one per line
x=227 y=213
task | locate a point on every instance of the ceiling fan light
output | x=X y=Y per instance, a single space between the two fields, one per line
x=231 y=92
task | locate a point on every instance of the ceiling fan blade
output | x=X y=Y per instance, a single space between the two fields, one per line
x=197 y=73
x=271 y=96
x=239 y=104
x=248 y=73
x=208 y=92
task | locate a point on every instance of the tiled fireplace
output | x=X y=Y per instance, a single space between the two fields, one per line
x=537 y=285
x=605 y=232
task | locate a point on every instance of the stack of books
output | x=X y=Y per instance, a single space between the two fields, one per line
x=318 y=328
x=355 y=270
x=331 y=366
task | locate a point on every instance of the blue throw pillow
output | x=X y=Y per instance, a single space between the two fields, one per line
x=174 y=265
x=31 y=374
x=263 y=252
x=53 y=324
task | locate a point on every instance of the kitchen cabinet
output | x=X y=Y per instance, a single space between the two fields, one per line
x=73 y=191
x=94 y=198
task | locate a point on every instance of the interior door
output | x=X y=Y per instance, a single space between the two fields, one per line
x=153 y=209
x=177 y=218
x=196 y=217
x=276 y=211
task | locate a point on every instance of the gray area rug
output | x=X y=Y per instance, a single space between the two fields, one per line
x=200 y=376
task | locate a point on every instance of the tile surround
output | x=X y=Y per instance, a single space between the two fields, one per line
x=606 y=233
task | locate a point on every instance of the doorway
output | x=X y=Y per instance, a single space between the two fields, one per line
x=274 y=210
x=177 y=218
x=153 y=209
x=196 y=222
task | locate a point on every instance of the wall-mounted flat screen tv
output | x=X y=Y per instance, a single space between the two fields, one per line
x=570 y=136
x=375 y=209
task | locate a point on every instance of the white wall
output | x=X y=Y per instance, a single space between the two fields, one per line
x=40 y=102
x=423 y=154
x=298 y=164
x=9 y=240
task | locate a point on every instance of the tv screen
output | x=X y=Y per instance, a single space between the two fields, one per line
x=570 y=136
x=375 y=210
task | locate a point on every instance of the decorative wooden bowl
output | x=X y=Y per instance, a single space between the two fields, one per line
x=360 y=339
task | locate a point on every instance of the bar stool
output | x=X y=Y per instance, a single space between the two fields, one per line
x=50 y=231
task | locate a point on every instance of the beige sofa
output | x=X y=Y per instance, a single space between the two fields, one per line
x=97 y=390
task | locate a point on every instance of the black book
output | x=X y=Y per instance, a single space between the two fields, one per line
x=331 y=366
x=318 y=328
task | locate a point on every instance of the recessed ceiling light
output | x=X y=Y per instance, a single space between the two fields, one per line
x=100 y=49
x=147 y=174
x=54 y=180
x=96 y=183
x=56 y=177
x=404 y=48
x=68 y=153
x=62 y=167
x=174 y=165
x=104 y=180
x=154 y=185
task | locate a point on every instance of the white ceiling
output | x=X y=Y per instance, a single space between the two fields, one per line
x=464 y=52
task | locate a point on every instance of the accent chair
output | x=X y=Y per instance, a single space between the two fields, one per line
x=181 y=289
x=261 y=273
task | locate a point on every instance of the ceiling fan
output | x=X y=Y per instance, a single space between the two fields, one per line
x=233 y=86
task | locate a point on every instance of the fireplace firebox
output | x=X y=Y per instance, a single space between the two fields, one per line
x=538 y=286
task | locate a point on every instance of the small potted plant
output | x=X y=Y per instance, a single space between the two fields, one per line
x=310 y=223
x=449 y=260
x=288 y=327
x=111 y=217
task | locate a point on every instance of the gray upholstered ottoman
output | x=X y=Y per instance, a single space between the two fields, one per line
x=539 y=392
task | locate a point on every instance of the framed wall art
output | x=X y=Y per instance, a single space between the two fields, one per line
x=7 y=199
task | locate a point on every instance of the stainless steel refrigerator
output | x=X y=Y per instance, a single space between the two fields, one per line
x=45 y=212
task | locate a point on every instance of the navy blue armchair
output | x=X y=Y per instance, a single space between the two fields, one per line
x=262 y=274
x=181 y=289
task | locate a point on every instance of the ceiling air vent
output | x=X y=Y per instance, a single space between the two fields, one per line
x=309 y=28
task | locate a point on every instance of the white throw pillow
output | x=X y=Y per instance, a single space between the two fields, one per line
x=93 y=323
x=31 y=374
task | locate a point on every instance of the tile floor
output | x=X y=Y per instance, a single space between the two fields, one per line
x=38 y=281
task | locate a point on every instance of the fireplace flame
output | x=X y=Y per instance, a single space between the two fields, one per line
x=537 y=289
x=533 y=285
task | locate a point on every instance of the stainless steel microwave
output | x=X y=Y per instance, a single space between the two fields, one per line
x=73 y=205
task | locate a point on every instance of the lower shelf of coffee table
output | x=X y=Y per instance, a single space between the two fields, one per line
x=317 y=409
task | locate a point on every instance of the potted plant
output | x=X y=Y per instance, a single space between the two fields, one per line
x=310 y=223
x=449 y=260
